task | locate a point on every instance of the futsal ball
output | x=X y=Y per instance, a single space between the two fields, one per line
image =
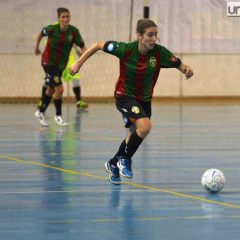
x=213 y=180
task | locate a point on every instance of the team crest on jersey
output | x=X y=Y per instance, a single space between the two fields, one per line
x=56 y=79
x=135 y=109
x=153 y=62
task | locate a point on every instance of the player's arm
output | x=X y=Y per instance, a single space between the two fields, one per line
x=37 y=51
x=169 y=61
x=186 y=70
x=85 y=55
x=79 y=50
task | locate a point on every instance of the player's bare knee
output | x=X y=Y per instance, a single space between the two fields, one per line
x=59 y=91
x=50 y=91
x=145 y=129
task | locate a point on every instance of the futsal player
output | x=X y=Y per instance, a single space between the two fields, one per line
x=60 y=40
x=140 y=64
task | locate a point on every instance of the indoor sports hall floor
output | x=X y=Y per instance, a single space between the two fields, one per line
x=53 y=184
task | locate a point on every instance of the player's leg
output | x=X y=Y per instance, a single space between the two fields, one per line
x=57 y=99
x=44 y=89
x=43 y=93
x=136 y=115
x=111 y=165
x=47 y=92
x=142 y=128
x=75 y=79
x=77 y=92
x=46 y=99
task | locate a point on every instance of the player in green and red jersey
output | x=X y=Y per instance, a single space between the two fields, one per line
x=60 y=40
x=140 y=64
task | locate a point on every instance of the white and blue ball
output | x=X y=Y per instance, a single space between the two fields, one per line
x=213 y=180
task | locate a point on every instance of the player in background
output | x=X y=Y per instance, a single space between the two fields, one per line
x=60 y=39
x=75 y=80
x=140 y=64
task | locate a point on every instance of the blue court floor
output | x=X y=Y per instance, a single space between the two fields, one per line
x=53 y=185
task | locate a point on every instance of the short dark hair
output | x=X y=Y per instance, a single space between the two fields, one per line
x=142 y=24
x=61 y=10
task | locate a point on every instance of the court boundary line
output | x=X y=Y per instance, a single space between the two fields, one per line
x=136 y=185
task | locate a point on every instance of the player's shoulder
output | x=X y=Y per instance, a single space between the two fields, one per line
x=73 y=28
x=129 y=46
x=118 y=46
x=53 y=26
x=49 y=28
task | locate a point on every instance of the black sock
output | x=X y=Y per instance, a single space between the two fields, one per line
x=44 y=89
x=45 y=102
x=121 y=152
x=58 y=106
x=77 y=92
x=132 y=146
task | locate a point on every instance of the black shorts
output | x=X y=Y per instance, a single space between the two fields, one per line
x=53 y=76
x=132 y=109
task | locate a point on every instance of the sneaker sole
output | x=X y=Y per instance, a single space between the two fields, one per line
x=82 y=107
x=65 y=124
x=36 y=114
x=114 y=183
x=44 y=125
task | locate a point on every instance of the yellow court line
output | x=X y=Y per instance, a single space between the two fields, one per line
x=136 y=185
x=85 y=174
x=151 y=219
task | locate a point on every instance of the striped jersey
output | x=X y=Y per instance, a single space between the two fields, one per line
x=139 y=73
x=59 y=44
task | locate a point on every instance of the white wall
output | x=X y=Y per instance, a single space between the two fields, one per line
x=198 y=31
x=215 y=75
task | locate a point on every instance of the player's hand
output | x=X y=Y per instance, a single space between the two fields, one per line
x=186 y=70
x=37 y=51
x=74 y=68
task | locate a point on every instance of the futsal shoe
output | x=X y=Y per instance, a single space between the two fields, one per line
x=113 y=171
x=60 y=121
x=37 y=114
x=42 y=119
x=82 y=105
x=125 y=167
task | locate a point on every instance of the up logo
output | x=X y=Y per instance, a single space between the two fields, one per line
x=153 y=62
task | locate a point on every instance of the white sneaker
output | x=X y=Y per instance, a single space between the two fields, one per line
x=60 y=121
x=42 y=119
x=37 y=113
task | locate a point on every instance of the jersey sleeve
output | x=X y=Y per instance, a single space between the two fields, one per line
x=79 y=40
x=168 y=60
x=115 y=48
x=46 y=30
